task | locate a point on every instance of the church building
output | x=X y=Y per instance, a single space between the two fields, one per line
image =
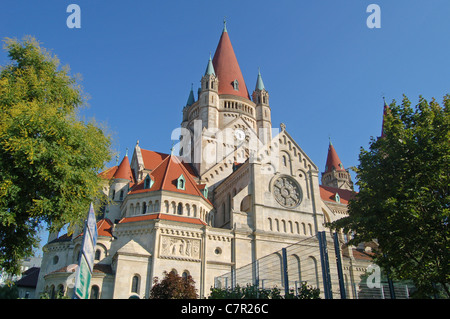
x=237 y=190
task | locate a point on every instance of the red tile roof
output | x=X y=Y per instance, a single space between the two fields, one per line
x=328 y=194
x=109 y=173
x=162 y=216
x=152 y=159
x=227 y=68
x=124 y=170
x=165 y=177
x=104 y=227
x=333 y=160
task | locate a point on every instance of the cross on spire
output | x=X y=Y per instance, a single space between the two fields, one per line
x=225 y=24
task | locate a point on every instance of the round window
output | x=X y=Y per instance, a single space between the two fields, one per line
x=287 y=192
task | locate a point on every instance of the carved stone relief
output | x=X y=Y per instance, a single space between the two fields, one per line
x=179 y=248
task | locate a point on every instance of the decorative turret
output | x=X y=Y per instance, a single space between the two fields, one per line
x=335 y=174
x=191 y=99
x=263 y=118
x=209 y=97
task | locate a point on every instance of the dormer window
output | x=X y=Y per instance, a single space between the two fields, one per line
x=205 y=192
x=337 y=198
x=236 y=85
x=181 y=182
x=148 y=182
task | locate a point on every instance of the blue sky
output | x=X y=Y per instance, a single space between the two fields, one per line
x=325 y=70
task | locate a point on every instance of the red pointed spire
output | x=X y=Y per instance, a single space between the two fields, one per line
x=124 y=170
x=333 y=161
x=227 y=69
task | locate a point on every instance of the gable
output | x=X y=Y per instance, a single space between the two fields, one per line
x=284 y=154
x=134 y=249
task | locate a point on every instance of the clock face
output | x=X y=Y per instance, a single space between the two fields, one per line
x=239 y=134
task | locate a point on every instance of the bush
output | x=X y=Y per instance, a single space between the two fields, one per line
x=173 y=286
x=253 y=292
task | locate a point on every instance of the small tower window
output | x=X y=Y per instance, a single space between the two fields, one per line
x=135 y=284
x=181 y=182
x=236 y=85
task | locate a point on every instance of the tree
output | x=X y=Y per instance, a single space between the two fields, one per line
x=403 y=199
x=49 y=158
x=173 y=286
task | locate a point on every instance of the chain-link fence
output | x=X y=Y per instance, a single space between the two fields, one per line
x=316 y=261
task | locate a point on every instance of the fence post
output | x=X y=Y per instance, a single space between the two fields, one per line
x=233 y=278
x=285 y=272
x=256 y=271
x=339 y=266
x=325 y=265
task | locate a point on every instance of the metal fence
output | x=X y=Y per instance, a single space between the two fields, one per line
x=316 y=261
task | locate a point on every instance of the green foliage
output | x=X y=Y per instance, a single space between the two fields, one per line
x=403 y=199
x=173 y=286
x=254 y=292
x=49 y=158
x=59 y=295
x=9 y=291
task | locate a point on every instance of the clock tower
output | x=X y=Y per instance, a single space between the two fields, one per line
x=225 y=118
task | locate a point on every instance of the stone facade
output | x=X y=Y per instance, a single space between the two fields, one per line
x=239 y=190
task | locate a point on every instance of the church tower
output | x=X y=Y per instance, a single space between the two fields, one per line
x=225 y=107
x=335 y=174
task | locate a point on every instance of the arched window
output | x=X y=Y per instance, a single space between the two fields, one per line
x=97 y=254
x=94 y=292
x=144 y=208
x=180 y=209
x=135 y=284
x=166 y=204
x=270 y=224
x=60 y=290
